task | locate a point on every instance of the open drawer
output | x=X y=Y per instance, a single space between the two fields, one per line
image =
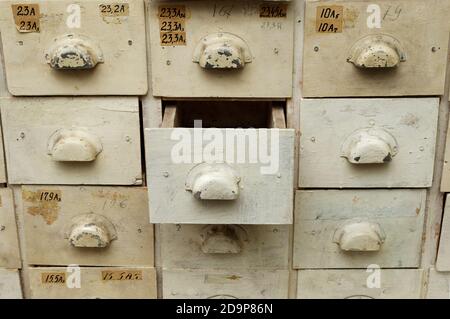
x=223 y=162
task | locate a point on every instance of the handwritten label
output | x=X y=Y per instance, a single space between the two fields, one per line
x=329 y=19
x=26 y=17
x=121 y=275
x=115 y=10
x=49 y=195
x=273 y=10
x=53 y=277
x=172 y=25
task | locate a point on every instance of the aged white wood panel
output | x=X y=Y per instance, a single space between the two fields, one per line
x=42 y=147
x=407 y=127
x=360 y=284
x=265 y=44
x=224 y=246
x=10 y=284
x=423 y=46
x=331 y=230
x=438 y=285
x=118 y=42
x=202 y=284
x=98 y=226
x=443 y=258
x=9 y=243
x=2 y=161
x=94 y=283
x=259 y=196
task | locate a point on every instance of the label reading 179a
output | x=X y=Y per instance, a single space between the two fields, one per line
x=26 y=17
x=172 y=25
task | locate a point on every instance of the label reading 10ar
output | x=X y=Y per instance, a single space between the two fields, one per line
x=172 y=25
x=26 y=17
x=329 y=19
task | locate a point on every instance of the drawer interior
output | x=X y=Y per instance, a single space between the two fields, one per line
x=225 y=114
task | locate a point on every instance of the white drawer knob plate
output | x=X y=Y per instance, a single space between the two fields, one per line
x=73 y=145
x=91 y=231
x=74 y=52
x=222 y=51
x=377 y=51
x=369 y=146
x=360 y=236
x=216 y=181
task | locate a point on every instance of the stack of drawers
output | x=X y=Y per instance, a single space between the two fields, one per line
x=367 y=151
x=223 y=213
x=74 y=161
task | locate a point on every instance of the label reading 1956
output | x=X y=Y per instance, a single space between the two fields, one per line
x=172 y=25
x=53 y=277
x=273 y=10
x=26 y=17
x=114 y=10
x=121 y=275
x=329 y=19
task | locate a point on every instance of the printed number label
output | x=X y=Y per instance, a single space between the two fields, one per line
x=329 y=19
x=49 y=196
x=122 y=275
x=273 y=11
x=172 y=25
x=53 y=278
x=26 y=17
x=114 y=10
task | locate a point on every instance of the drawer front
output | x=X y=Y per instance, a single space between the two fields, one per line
x=367 y=142
x=10 y=284
x=207 y=49
x=210 y=284
x=72 y=140
x=445 y=180
x=196 y=188
x=360 y=284
x=92 y=283
x=372 y=49
x=87 y=48
x=443 y=258
x=356 y=228
x=9 y=243
x=224 y=246
x=88 y=226
x=438 y=285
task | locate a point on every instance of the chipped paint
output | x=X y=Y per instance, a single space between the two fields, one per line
x=48 y=210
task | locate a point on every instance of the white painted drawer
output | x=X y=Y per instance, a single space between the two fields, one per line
x=72 y=140
x=208 y=284
x=82 y=48
x=224 y=246
x=10 y=284
x=371 y=48
x=443 y=257
x=233 y=186
x=367 y=142
x=438 y=285
x=360 y=284
x=229 y=48
x=9 y=243
x=356 y=228
x=92 y=283
x=89 y=226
